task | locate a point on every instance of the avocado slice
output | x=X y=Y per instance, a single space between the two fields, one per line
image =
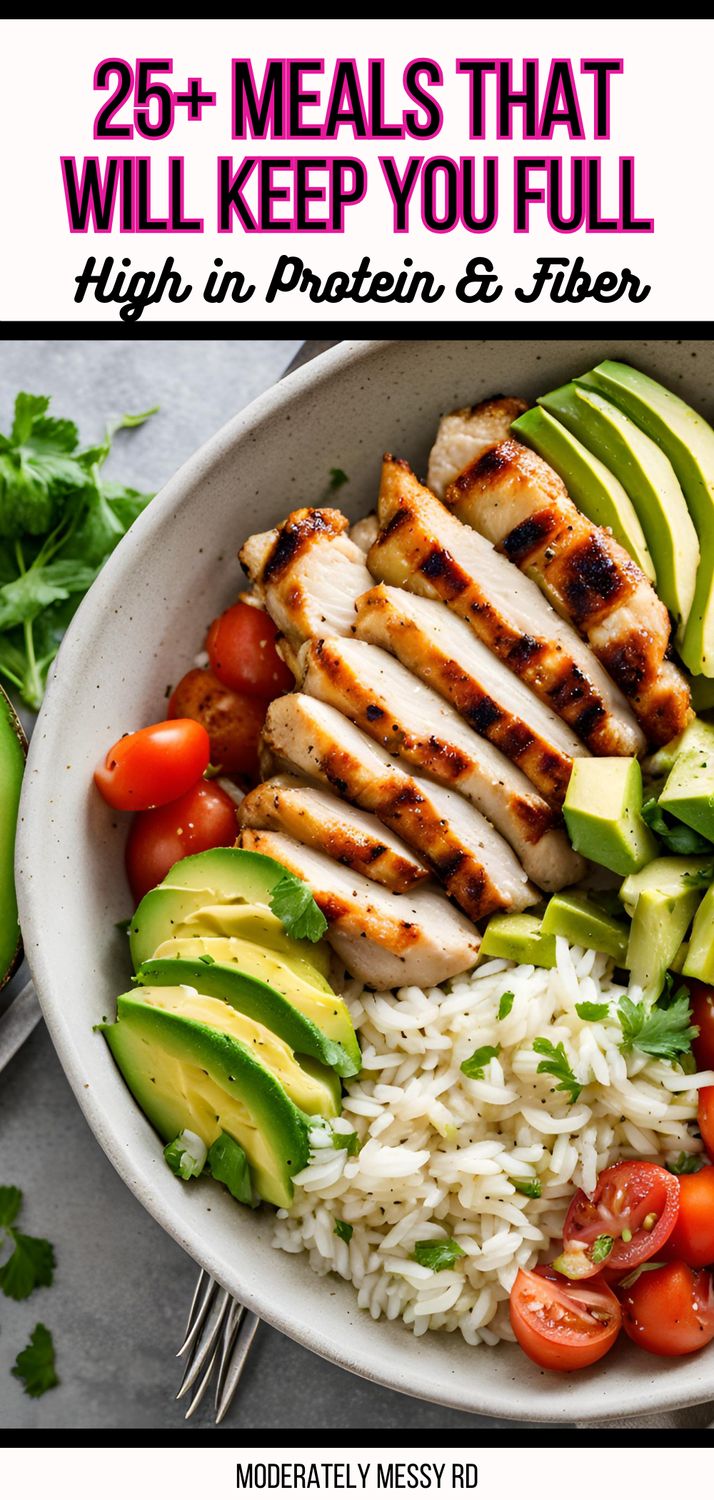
x=697 y=736
x=314 y=1088
x=187 y=1076
x=650 y=483
x=659 y=923
x=603 y=813
x=520 y=937
x=301 y=985
x=166 y=912
x=13 y=747
x=239 y=875
x=596 y=491
x=252 y=998
x=688 y=442
x=572 y=915
x=688 y=793
x=699 y=962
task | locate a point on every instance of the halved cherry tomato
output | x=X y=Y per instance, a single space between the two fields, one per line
x=562 y=1326
x=692 y=1239
x=670 y=1310
x=233 y=721
x=705 y=1115
x=153 y=766
x=630 y=1215
x=241 y=650
x=702 y=996
x=204 y=818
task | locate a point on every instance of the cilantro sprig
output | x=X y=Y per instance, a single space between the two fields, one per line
x=35 y=1365
x=675 y=836
x=555 y=1062
x=660 y=1032
x=59 y=521
x=685 y=1165
x=293 y=903
x=32 y=1261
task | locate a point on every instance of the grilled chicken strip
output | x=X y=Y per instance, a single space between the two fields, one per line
x=388 y=703
x=385 y=940
x=364 y=532
x=477 y=867
x=285 y=804
x=442 y=650
x=464 y=434
x=514 y=498
x=424 y=548
x=308 y=574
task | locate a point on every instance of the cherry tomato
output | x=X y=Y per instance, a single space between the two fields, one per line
x=706 y=1119
x=241 y=650
x=692 y=1239
x=630 y=1215
x=670 y=1310
x=562 y=1326
x=702 y=996
x=153 y=766
x=233 y=721
x=204 y=818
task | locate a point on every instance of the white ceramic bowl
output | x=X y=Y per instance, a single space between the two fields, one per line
x=138 y=629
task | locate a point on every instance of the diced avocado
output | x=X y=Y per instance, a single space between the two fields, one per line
x=699 y=963
x=519 y=937
x=702 y=690
x=671 y=873
x=660 y=920
x=571 y=915
x=688 y=792
x=688 y=442
x=253 y=998
x=603 y=813
x=239 y=875
x=290 y=976
x=186 y=1076
x=12 y=766
x=166 y=912
x=595 y=490
x=697 y=736
x=314 y=1088
x=646 y=475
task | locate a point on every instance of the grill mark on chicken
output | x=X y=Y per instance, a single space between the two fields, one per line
x=529 y=537
x=296 y=535
x=519 y=504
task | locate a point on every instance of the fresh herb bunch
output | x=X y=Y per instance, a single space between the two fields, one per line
x=59 y=521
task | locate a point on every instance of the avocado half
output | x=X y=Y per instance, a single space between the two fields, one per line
x=13 y=749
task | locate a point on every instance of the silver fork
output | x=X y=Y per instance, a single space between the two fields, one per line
x=218 y=1339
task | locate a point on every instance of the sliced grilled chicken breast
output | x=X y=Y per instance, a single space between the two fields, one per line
x=423 y=547
x=308 y=574
x=441 y=649
x=399 y=712
x=384 y=939
x=514 y=498
x=465 y=433
x=285 y=804
x=477 y=867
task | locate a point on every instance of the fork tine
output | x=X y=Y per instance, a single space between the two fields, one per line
x=209 y=1338
x=246 y=1334
x=199 y=1394
x=233 y=1322
x=203 y=1276
x=193 y=1331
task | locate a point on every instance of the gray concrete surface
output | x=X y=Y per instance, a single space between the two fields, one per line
x=122 y=1287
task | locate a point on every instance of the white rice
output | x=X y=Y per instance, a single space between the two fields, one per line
x=438 y=1150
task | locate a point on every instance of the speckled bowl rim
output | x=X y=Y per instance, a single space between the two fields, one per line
x=691 y=1383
